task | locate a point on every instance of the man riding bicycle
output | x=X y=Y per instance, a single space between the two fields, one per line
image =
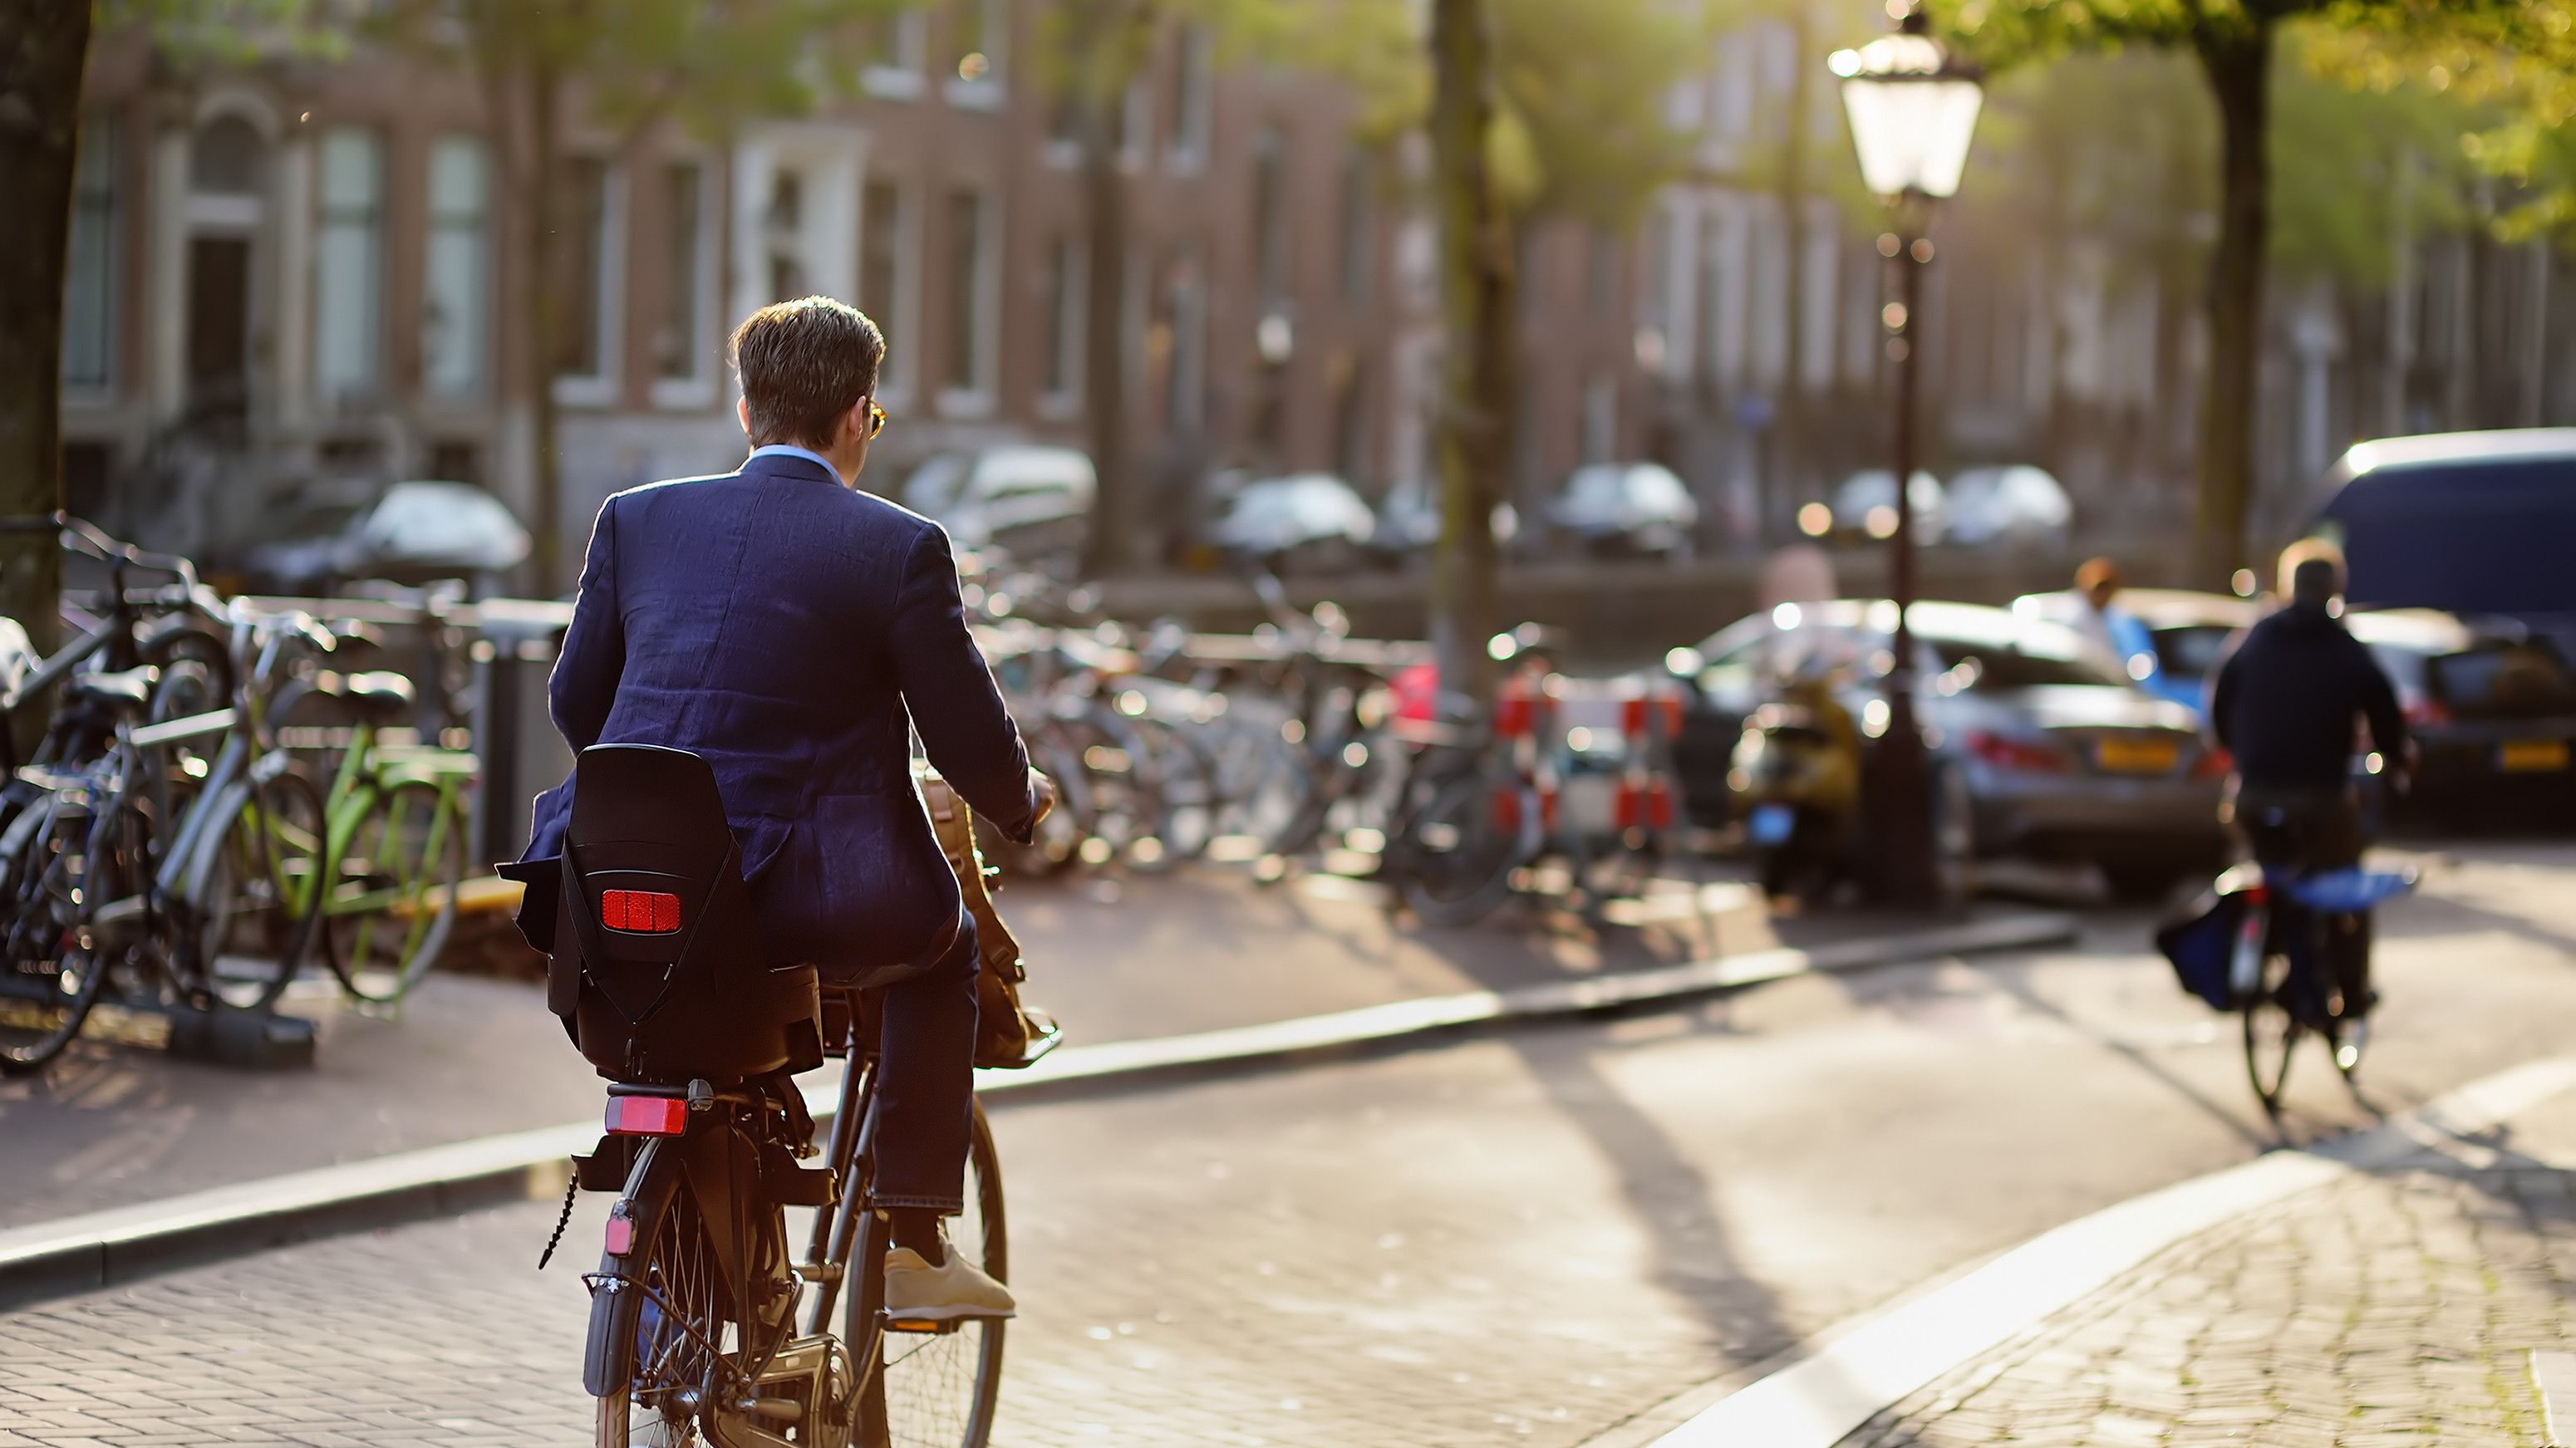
x=795 y=632
x=2285 y=704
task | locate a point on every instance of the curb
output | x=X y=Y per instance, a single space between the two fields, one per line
x=104 y=1249
x=1855 y=1369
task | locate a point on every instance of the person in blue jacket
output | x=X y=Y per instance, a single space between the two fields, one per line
x=795 y=633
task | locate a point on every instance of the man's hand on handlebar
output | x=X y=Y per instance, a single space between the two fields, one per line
x=1041 y=789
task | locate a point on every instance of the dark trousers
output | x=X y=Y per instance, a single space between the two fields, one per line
x=926 y=1081
x=2294 y=831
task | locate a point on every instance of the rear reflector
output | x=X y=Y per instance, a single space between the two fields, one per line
x=647 y=1116
x=621 y=1236
x=649 y=912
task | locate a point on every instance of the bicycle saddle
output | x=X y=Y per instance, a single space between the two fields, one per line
x=379 y=697
x=124 y=689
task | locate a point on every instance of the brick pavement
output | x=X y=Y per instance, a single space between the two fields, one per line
x=2388 y=1308
x=1284 y=1261
x=110 y=1125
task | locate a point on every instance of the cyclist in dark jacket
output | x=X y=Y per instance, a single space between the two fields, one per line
x=2287 y=704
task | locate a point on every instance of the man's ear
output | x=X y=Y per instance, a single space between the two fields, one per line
x=742 y=414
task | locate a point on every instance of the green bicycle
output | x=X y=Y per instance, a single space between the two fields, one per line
x=393 y=845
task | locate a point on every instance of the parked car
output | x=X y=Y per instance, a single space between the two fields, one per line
x=2492 y=714
x=2478 y=524
x=1408 y=520
x=2019 y=505
x=1865 y=506
x=2052 y=750
x=1303 y=523
x=1031 y=501
x=2190 y=630
x=1625 y=510
x=412 y=532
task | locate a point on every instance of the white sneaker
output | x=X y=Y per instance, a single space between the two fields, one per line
x=952 y=1291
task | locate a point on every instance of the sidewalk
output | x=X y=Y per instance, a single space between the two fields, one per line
x=2393 y=1306
x=110 y=1125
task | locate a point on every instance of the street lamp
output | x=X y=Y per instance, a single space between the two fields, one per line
x=1913 y=110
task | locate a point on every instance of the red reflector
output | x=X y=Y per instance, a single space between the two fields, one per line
x=621 y=1236
x=647 y=1116
x=649 y=912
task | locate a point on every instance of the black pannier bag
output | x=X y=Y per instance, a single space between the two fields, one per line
x=655 y=964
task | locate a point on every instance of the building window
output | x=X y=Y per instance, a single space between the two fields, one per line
x=683 y=353
x=585 y=261
x=1270 y=213
x=349 y=262
x=90 y=264
x=1065 y=298
x=1359 y=230
x=978 y=38
x=883 y=276
x=1350 y=424
x=453 y=312
x=969 y=247
x=1600 y=419
x=1193 y=99
x=894 y=47
x=783 y=232
x=1186 y=307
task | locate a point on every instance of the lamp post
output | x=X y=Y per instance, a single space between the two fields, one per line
x=1913 y=111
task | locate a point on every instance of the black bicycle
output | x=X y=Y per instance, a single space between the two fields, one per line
x=702 y=1325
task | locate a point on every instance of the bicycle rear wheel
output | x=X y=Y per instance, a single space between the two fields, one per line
x=658 y=1340
x=1456 y=859
x=2272 y=1034
x=392 y=892
x=253 y=913
x=937 y=1389
x=54 y=973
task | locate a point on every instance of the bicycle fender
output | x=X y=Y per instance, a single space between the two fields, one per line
x=183 y=875
x=608 y=1355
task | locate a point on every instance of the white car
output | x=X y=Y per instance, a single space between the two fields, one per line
x=1305 y=520
x=414 y=531
x=2015 y=505
x=1626 y=507
x=1030 y=500
x=1866 y=505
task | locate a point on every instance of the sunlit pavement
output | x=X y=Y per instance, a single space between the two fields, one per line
x=467 y=1056
x=1525 y=1238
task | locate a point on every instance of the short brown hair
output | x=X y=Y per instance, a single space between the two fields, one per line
x=2312 y=569
x=803 y=364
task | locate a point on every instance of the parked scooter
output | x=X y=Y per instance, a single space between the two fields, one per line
x=1795 y=776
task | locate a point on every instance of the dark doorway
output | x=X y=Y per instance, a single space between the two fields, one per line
x=219 y=326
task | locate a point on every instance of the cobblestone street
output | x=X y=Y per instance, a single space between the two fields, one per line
x=2393 y=1308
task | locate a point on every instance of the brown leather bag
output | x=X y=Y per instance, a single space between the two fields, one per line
x=1008 y=1035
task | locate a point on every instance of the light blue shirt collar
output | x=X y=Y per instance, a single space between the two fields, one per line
x=791 y=450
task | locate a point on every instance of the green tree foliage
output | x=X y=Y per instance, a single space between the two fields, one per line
x=2235 y=44
x=2504 y=71
x=1587 y=85
x=708 y=65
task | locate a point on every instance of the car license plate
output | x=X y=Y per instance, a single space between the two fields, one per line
x=2519 y=756
x=1772 y=824
x=2137 y=756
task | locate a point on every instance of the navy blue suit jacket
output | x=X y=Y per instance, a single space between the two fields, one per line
x=788 y=629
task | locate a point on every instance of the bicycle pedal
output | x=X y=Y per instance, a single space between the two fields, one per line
x=920 y=1325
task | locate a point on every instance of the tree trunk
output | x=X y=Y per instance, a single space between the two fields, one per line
x=1476 y=285
x=1117 y=512
x=43 y=50
x=2237 y=62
